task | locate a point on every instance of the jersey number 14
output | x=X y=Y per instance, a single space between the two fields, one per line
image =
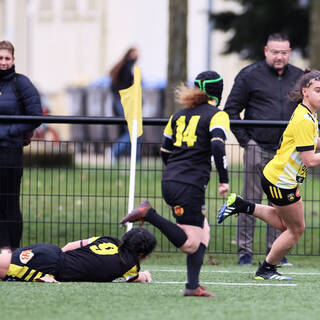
x=186 y=134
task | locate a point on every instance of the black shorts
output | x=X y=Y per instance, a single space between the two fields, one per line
x=33 y=262
x=279 y=196
x=186 y=201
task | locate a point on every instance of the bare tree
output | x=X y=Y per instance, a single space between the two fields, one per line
x=314 y=34
x=177 y=51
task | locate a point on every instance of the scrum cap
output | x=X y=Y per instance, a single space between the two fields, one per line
x=211 y=83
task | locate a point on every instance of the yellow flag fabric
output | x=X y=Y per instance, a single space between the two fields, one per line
x=131 y=100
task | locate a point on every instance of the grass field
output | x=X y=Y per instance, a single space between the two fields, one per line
x=238 y=295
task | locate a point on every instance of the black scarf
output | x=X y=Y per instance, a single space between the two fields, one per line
x=4 y=73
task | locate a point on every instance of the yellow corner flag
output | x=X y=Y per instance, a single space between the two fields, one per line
x=131 y=99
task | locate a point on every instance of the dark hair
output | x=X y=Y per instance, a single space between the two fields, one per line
x=7 y=45
x=141 y=242
x=278 y=37
x=114 y=73
x=304 y=82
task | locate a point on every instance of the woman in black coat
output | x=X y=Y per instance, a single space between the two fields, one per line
x=18 y=96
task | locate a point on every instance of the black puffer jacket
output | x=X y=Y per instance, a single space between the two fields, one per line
x=12 y=134
x=263 y=94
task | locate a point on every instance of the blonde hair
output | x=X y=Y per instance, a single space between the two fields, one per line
x=7 y=45
x=190 y=97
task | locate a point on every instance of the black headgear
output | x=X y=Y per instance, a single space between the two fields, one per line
x=211 y=83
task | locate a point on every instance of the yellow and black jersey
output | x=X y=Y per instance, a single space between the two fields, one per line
x=286 y=169
x=33 y=262
x=187 y=144
x=99 y=261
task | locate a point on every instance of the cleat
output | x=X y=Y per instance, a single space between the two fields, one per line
x=137 y=214
x=269 y=273
x=228 y=208
x=198 y=292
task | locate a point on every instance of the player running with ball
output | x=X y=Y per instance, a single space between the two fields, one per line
x=283 y=175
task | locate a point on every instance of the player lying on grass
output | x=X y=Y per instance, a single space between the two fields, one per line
x=98 y=259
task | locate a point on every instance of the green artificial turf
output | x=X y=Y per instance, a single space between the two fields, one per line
x=238 y=296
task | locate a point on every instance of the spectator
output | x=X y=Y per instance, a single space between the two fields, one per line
x=18 y=96
x=98 y=259
x=192 y=136
x=122 y=78
x=261 y=89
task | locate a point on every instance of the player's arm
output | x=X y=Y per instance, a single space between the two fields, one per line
x=219 y=127
x=310 y=158
x=318 y=144
x=77 y=244
x=47 y=278
x=143 y=276
x=167 y=146
x=304 y=141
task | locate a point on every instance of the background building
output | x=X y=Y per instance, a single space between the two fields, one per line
x=72 y=43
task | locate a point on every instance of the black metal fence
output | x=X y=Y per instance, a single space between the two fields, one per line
x=77 y=189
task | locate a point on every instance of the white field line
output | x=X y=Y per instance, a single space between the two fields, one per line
x=241 y=272
x=234 y=284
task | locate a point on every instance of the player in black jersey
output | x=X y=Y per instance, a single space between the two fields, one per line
x=193 y=136
x=98 y=259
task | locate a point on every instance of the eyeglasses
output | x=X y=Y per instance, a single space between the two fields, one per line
x=277 y=52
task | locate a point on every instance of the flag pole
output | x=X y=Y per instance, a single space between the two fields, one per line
x=132 y=169
x=131 y=99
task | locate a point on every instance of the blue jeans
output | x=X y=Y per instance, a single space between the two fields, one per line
x=123 y=146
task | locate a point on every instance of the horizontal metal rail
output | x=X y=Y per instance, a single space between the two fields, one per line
x=119 y=120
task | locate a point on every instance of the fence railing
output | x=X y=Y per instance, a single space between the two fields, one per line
x=76 y=189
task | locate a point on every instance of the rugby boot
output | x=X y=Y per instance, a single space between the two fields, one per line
x=198 y=292
x=228 y=208
x=234 y=205
x=137 y=214
x=269 y=273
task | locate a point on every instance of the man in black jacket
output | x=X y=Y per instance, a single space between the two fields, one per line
x=261 y=90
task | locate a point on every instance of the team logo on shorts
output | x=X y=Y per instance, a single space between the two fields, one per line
x=290 y=196
x=178 y=210
x=26 y=256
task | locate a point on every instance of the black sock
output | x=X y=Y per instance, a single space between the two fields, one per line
x=174 y=233
x=244 y=206
x=194 y=264
x=267 y=265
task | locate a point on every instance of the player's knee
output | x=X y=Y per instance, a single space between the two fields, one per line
x=300 y=230
x=190 y=246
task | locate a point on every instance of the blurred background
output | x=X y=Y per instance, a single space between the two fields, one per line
x=67 y=47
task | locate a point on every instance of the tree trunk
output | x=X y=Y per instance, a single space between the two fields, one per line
x=314 y=34
x=177 y=51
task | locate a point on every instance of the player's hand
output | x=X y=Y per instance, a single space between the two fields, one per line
x=145 y=276
x=47 y=278
x=223 y=189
